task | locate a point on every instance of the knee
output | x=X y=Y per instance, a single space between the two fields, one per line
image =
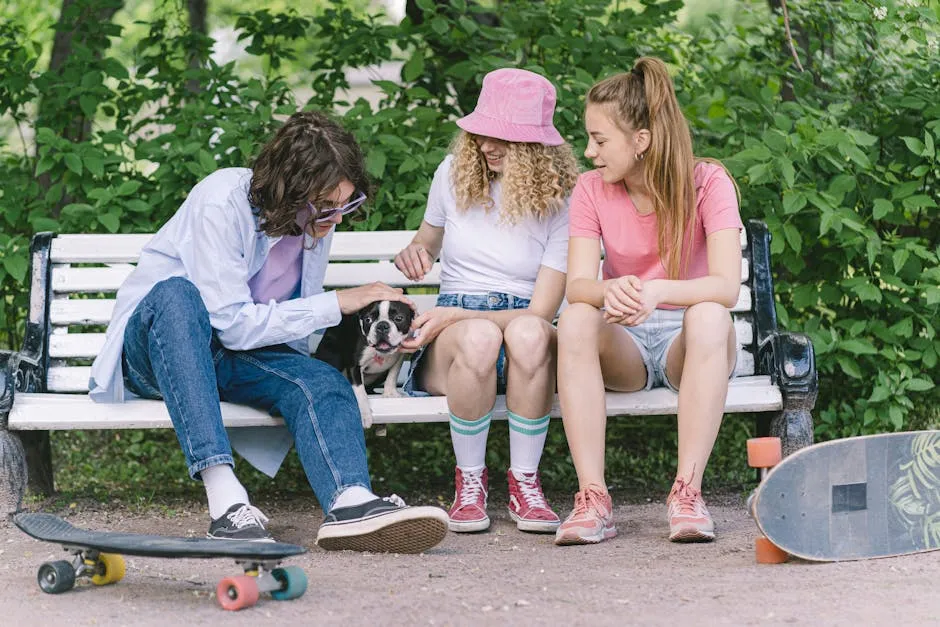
x=478 y=345
x=707 y=325
x=180 y=295
x=178 y=302
x=578 y=326
x=528 y=340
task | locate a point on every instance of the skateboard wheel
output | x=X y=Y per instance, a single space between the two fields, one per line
x=293 y=582
x=764 y=452
x=56 y=577
x=766 y=552
x=109 y=568
x=237 y=593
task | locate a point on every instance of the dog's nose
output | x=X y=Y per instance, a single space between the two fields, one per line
x=383 y=327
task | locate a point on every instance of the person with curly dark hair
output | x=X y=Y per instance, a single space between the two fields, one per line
x=221 y=307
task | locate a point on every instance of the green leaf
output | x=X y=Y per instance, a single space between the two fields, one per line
x=914 y=145
x=862 y=138
x=16 y=267
x=206 y=161
x=896 y=415
x=881 y=207
x=920 y=385
x=45 y=164
x=929 y=149
x=900 y=258
x=76 y=209
x=919 y=201
x=375 y=163
x=73 y=162
x=414 y=67
x=879 y=394
x=849 y=366
x=408 y=165
x=793 y=201
x=88 y=104
x=110 y=221
x=94 y=164
x=858 y=347
x=794 y=239
x=127 y=188
x=786 y=169
x=904 y=328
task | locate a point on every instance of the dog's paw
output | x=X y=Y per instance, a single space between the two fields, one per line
x=391 y=391
x=366 y=419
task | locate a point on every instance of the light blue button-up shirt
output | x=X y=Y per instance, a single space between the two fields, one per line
x=213 y=240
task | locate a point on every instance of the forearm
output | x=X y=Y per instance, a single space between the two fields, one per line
x=590 y=291
x=716 y=289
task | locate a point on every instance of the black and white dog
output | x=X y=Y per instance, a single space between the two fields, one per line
x=364 y=347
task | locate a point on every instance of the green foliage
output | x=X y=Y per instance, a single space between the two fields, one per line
x=844 y=169
x=840 y=160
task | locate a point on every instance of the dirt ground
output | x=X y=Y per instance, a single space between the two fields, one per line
x=497 y=577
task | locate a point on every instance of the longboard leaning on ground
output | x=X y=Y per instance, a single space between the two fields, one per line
x=856 y=498
x=97 y=555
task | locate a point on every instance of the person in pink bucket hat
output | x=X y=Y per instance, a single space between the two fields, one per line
x=497 y=217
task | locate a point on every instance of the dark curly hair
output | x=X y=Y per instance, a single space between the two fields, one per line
x=306 y=159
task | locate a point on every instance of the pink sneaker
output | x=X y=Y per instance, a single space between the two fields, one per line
x=468 y=513
x=591 y=521
x=527 y=504
x=689 y=520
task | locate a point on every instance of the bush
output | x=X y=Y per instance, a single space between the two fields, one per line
x=840 y=160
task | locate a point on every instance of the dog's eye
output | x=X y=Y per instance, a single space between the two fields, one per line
x=399 y=318
x=367 y=320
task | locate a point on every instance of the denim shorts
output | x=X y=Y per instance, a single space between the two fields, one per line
x=654 y=337
x=492 y=301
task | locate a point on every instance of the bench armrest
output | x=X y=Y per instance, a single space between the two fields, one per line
x=790 y=361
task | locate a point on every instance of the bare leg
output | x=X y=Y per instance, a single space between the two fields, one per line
x=461 y=364
x=530 y=366
x=591 y=355
x=701 y=360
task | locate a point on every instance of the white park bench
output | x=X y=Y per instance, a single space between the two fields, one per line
x=73 y=278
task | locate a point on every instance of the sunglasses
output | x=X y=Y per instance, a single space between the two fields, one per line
x=326 y=214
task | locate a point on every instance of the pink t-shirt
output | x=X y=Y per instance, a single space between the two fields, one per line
x=606 y=212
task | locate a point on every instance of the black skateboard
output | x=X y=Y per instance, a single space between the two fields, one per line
x=97 y=555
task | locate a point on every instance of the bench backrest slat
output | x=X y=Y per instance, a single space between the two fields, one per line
x=82 y=296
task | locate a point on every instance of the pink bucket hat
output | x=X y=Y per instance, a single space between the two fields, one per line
x=515 y=106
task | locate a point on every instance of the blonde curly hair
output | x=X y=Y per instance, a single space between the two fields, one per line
x=536 y=179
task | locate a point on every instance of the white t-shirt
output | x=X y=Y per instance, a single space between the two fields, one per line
x=483 y=254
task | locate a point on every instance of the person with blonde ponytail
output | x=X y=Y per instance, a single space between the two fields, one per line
x=670 y=228
x=497 y=215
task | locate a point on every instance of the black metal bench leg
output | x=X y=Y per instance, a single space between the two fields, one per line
x=12 y=472
x=792 y=364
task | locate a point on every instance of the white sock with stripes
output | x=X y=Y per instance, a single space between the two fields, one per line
x=469 y=438
x=526 y=441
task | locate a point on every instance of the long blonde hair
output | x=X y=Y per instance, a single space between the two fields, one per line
x=644 y=98
x=536 y=179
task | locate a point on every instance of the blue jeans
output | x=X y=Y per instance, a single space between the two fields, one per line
x=493 y=301
x=172 y=353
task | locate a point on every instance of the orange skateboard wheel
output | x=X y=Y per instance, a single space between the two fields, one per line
x=237 y=593
x=766 y=552
x=764 y=452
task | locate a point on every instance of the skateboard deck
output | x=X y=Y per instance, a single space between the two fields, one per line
x=97 y=554
x=855 y=498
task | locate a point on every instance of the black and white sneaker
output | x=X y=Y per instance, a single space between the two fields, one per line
x=383 y=525
x=240 y=522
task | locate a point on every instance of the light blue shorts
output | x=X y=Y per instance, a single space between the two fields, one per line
x=653 y=337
